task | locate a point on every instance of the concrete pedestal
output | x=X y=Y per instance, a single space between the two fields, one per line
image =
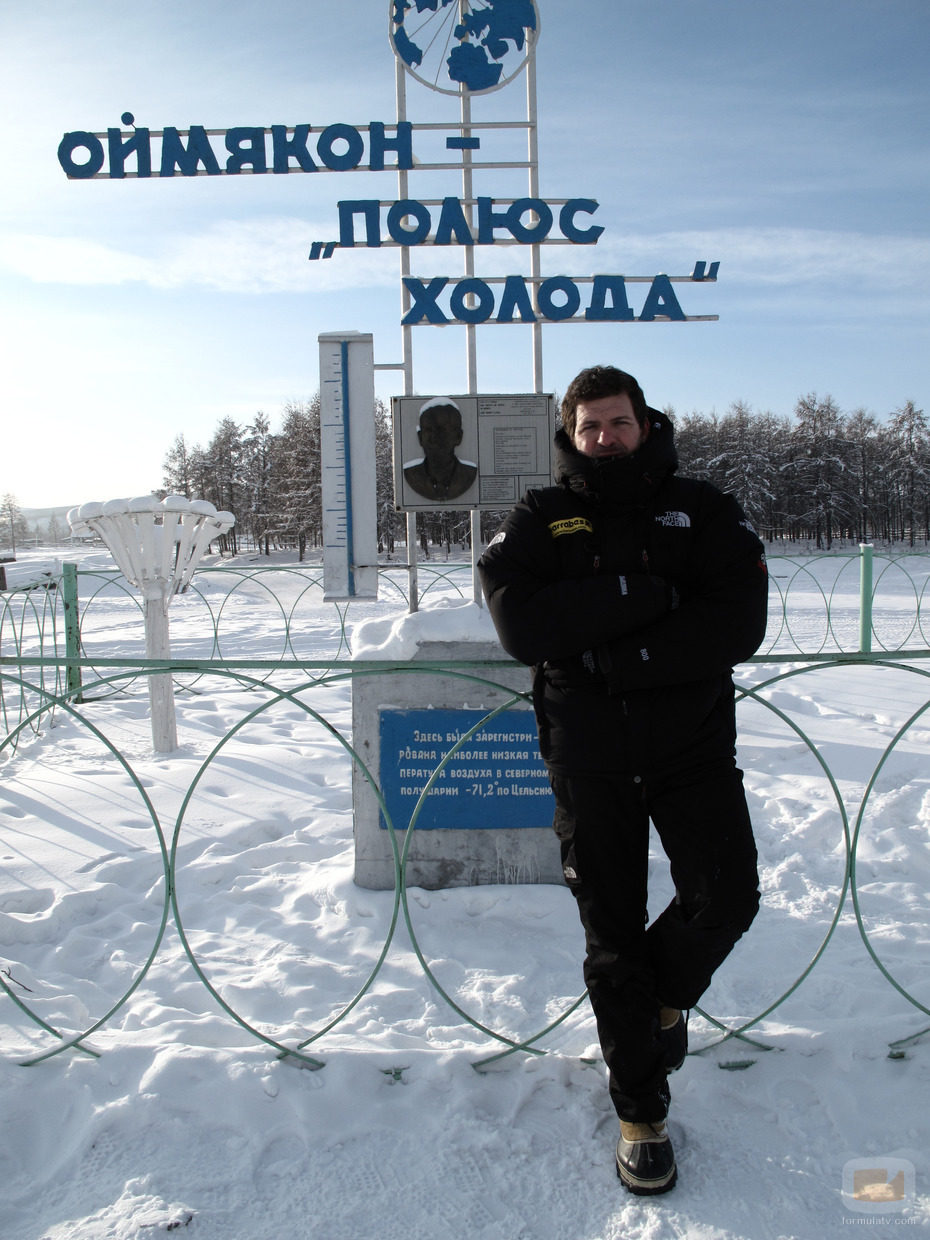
x=488 y=817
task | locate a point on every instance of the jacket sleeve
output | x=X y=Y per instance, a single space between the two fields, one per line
x=721 y=616
x=540 y=615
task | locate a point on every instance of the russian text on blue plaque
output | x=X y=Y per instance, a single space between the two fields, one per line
x=494 y=779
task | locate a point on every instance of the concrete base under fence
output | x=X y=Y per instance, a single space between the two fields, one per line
x=488 y=816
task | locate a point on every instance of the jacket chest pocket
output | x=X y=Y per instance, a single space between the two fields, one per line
x=575 y=554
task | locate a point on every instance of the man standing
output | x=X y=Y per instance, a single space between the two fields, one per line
x=633 y=593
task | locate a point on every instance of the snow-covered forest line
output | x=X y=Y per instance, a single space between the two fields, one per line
x=819 y=476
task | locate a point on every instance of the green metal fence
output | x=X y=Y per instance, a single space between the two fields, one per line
x=851 y=603
x=52 y=665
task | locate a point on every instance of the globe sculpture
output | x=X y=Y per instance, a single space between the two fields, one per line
x=455 y=45
x=157 y=546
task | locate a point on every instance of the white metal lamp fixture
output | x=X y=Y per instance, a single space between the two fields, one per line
x=157 y=545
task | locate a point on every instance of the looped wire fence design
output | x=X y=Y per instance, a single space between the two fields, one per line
x=38 y=681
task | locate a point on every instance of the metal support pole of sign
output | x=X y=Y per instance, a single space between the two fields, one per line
x=69 y=595
x=471 y=336
x=400 y=83
x=532 y=136
x=865 y=598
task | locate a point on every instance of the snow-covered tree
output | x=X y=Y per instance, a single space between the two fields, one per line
x=177 y=475
x=13 y=523
x=256 y=489
x=819 y=462
x=390 y=520
x=297 y=474
x=910 y=468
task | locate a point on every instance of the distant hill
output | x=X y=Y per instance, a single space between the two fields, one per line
x=43 y=514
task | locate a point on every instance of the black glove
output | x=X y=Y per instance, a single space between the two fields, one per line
x=667 y=590
x=599 y=661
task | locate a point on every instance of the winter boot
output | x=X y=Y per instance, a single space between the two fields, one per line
x=673 y=1035
x=645 y=1159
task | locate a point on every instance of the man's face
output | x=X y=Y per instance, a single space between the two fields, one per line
x=607 y=427
x=440 y=431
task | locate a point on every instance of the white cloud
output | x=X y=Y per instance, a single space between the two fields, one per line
x=69 y=260
x=270 y=255
x=782 y=256
x=263 y=256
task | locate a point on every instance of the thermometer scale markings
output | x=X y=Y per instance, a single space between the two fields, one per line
x=347 y=441
x=335 y=415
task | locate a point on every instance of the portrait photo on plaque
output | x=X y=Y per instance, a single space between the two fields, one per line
x=480 y=451
x=438 y=440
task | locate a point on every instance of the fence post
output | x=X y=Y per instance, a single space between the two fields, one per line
x=69 y=594
x=865 y=598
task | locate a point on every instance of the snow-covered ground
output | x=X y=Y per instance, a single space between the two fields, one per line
x=188 y=1121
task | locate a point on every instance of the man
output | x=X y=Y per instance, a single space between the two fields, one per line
x=439 y=474
x=632 y=593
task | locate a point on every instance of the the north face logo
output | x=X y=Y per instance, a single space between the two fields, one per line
x=681 y=520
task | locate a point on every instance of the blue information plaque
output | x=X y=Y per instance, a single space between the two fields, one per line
x=494 y=779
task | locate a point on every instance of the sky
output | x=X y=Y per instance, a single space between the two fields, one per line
x=788 y=142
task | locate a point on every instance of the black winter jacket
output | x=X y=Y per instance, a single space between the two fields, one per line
x=633 y=593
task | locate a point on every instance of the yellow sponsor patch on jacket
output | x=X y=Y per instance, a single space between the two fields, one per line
x=571 y=525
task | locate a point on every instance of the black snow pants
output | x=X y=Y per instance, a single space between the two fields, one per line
x=702 y=820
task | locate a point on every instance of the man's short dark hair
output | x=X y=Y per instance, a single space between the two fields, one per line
x=598 y=381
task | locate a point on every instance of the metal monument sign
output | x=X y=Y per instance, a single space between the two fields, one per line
x=492 y=42
x=467 y=50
